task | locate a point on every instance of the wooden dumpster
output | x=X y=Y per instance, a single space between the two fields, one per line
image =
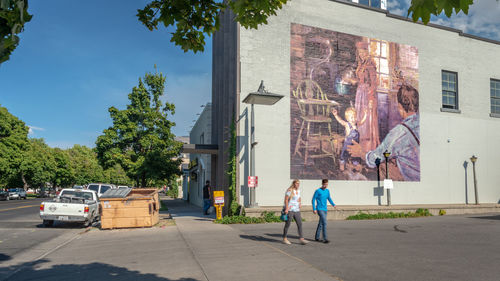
x=140 y=208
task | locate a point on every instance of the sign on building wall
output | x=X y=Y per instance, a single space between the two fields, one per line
x=352 y=98
x=253 y=181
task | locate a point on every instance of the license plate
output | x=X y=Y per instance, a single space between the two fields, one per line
x=63 y=218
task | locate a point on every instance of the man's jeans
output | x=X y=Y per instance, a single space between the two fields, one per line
x=206 y=205
x=321 y=225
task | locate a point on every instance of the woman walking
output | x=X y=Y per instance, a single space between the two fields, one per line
x=292 y=209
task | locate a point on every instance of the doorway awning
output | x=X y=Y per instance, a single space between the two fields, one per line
x=200 y=148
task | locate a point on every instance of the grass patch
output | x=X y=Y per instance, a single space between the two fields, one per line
x=391 y=215
x=265 y=217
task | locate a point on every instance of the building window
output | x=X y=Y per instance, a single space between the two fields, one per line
x=381 y=4
x=495 y=96
x=450 y=89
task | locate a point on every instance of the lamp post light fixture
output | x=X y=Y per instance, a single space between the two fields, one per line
x=262 y=97
x=473 y=159
x=386 y=155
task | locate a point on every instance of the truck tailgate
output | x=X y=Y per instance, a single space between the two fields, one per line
x=63 y=209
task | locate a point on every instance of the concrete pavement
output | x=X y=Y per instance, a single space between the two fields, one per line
x=194 y=248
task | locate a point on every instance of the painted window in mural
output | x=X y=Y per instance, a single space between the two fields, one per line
x=352 y=99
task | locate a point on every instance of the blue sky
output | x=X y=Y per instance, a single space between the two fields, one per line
x=78 y=58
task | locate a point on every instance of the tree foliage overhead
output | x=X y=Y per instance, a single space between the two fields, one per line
x=140 y=140
x=196 y=19
x=13 y=15
x=423 y=9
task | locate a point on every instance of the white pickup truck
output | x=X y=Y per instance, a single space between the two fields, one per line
x=72 y=205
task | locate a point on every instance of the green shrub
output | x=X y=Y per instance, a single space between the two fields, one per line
x=265 y=217
x=173 y=191
x=391 y=215
x=442 y=212
x=163 y=207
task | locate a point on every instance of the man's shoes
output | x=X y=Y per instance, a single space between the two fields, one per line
x=326 y=241
x=303 y=241
x=318 y=240
x=285 y=241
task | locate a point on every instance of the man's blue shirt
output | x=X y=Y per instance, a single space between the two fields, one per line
x=319 y=199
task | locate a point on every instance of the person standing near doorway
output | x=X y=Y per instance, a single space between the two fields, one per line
x=207 y=198
x=321 y=195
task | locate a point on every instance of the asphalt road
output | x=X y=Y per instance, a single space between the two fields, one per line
x=434 y=248
x=21 y=227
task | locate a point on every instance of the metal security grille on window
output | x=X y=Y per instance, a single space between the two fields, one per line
x=495 y=96
x=450 y=90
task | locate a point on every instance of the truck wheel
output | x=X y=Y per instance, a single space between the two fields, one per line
x=48 y=223
x=87 y=223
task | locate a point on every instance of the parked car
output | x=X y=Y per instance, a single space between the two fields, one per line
x=72 y=205
x=4 y=195
x=100 y=188
x=17 y=193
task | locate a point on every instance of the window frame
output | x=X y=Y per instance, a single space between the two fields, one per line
x=447 y=108
x=494 y=114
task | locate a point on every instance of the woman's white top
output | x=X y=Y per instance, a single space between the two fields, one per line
x=293 y=204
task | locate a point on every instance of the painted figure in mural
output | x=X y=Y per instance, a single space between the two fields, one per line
x=403 y=141
x=351 y=134
x=366 y=97
x=292 y=206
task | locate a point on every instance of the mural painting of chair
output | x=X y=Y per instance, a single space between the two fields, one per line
x=315 y=111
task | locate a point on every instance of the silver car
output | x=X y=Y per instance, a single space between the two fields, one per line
x=17 y=193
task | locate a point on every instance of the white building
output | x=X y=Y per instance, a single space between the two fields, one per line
x=199 y=166
x=327 y=54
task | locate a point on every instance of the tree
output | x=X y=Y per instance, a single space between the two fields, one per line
x=423 y=9
x=13 y=16
x=38 y=165
x=84 y=165
x=193 y=19
x=140 y=140
x=13 y=141
x=64 y=175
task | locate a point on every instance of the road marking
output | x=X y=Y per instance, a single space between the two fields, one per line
x=22 y=207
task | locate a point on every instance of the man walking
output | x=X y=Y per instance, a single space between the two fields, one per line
x=319 y=207
x=206 y=197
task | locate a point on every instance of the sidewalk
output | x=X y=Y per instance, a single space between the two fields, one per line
x=194 y=248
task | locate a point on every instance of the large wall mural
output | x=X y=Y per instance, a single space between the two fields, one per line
x=352 y=99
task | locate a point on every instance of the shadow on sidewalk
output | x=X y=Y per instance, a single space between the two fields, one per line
x=179 y=208
x=260 y=238
x=487 y=217
x=93 y=271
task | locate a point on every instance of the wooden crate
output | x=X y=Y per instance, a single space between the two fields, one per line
x=139 y=209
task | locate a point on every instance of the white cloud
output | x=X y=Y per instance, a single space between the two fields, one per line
x=483 y=19
x=32 y=129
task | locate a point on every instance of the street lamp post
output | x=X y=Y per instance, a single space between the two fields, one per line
x=262 y=97
x=377 y=162
x=473 y=159
x=386 y=155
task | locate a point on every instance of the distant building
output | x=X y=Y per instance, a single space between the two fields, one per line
x=183 y=181
x=199 y=165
